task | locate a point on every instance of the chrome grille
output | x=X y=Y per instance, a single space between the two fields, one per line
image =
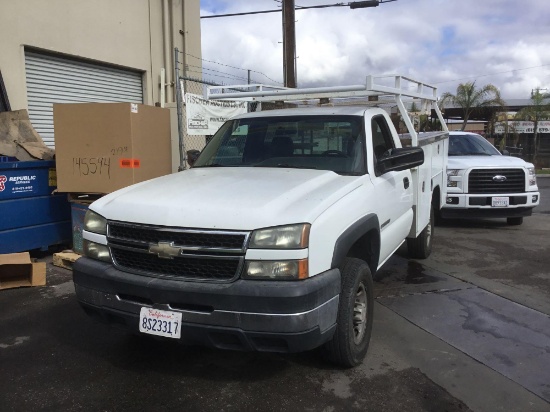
x=185 y=267
x=182 y=237
x=186 y=254
x=481 y=181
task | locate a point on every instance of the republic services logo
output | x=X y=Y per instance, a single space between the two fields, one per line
x=3 y=179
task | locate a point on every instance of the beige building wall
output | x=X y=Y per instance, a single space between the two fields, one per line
x=135 y=34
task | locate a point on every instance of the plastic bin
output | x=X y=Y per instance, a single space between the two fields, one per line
x=32 y=218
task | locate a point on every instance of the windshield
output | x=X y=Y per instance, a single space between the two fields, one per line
x=333 y=143
x=470 y=144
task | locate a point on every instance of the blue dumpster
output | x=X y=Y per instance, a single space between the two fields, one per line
x=30 y=216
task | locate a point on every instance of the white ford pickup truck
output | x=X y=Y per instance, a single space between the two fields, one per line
x=482 y=183
x=270 y=241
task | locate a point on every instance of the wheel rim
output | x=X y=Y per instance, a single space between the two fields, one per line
x=360 y=314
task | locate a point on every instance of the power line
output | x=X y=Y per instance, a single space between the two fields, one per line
x=492 y=74
x=351 y=5
x=233 y=67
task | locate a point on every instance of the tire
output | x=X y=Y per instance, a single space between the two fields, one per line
x=350 y=342
x=438 y=219
x=514 y=221
x=421 y=246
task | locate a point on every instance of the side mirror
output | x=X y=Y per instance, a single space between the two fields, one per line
x=505 y=152
x=403 y=158
x=192 y=156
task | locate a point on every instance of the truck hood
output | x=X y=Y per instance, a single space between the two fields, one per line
x=466 y=162
x=228 y=198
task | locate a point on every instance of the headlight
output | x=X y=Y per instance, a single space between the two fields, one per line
x=95 y=223
x=96 y=251
x=282 y=237
x=450 y=174
x=532 y=177
x=277 y=270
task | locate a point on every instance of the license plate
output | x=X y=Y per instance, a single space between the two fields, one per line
x=160 y=322
x=500 y=201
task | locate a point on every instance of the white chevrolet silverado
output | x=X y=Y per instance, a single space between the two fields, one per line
x=482 y=183
x=270 y=241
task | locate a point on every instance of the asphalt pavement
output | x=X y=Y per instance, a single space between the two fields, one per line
x=466 y=329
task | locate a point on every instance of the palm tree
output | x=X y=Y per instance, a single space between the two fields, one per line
x=470 y=98
x=537 y=111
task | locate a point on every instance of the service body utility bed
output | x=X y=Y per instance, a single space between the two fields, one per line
x=271 y=240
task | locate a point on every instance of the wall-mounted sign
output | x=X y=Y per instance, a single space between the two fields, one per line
x=204 y=117
x=523 y=127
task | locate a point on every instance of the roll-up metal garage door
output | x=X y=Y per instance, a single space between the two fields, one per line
x=52 y=79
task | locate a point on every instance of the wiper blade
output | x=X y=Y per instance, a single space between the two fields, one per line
x=288 y=166
x=212 y=165
x=295 y=166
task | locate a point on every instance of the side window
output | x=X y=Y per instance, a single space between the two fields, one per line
x=381 y=137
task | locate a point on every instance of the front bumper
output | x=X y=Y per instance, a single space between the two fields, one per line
x=273 y=316
x=464 y=205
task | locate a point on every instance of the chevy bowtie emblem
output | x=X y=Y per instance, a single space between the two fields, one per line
x=499 y=178
x=165 y=250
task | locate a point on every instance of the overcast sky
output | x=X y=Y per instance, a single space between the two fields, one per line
x=442 y=42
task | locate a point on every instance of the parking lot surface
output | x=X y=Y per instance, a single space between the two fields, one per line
x=466 y=329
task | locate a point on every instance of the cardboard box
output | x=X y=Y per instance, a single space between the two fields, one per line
x=17 y=270
x=102 y=147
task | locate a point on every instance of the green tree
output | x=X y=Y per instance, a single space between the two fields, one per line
x=537 y=111
x=469 y=98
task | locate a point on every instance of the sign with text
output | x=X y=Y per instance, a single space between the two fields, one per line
x=523 y=127
x=205 y=117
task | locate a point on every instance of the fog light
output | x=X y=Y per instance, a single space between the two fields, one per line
x=277 y=270
x=96 y=251
x=535 y=198
x=451 y=200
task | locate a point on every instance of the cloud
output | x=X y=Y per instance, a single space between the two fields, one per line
x=443 y=42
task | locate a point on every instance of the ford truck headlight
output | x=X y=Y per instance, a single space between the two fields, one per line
x=95 y=223
x=96 y=251
x=277 y=270
x=452 y=177
x=282 y=237
x=532 y=176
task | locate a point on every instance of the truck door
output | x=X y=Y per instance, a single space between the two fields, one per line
x=394 y=192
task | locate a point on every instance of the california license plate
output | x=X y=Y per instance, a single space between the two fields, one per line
x=160 y=322
x=500 y=201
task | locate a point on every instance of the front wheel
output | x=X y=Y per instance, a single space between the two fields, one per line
x=350 y=342
x=421 y=246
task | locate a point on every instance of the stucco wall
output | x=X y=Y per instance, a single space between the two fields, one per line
x=127 y=33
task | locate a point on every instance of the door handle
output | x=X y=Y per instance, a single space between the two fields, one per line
x=406 y=182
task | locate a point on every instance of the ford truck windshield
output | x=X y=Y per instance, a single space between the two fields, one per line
x=333 y=143
x=470 y=145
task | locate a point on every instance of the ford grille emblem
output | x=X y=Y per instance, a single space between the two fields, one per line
x=165 y=250
x=499 y=178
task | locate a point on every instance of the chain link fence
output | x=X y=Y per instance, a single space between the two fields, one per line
x=195 y=85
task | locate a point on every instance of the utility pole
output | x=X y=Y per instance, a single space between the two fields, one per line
x=289 y=44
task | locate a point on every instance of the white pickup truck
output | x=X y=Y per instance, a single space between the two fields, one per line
x=270 y=241
x=482 y=183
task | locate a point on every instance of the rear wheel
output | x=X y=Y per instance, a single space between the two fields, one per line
x=438 y=219
x=421 y=246
x=350 y=342
x=514 y=221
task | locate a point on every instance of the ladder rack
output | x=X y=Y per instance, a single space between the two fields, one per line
x=402 y=87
